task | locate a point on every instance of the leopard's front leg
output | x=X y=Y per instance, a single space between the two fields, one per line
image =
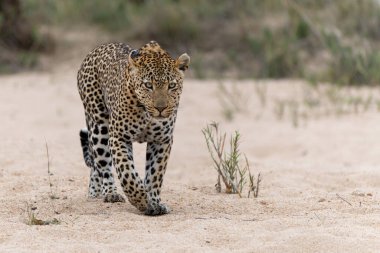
x=122 y=158
x=157 y=155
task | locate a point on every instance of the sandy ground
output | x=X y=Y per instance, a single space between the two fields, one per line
x=298 y=209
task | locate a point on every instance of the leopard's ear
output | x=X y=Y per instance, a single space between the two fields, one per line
x=183 y=62
x=133 y=57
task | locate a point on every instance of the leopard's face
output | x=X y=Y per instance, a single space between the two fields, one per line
x=157 y=79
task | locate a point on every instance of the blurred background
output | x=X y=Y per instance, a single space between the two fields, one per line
x=317 y=40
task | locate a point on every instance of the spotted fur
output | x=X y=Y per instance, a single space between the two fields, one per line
x=129 y=96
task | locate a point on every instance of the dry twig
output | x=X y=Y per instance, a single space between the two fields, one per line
x=343 y=199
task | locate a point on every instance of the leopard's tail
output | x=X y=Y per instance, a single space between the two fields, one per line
x=84 y=141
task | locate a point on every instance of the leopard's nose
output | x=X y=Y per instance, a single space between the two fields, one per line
x=161 y=108
x=160 y=104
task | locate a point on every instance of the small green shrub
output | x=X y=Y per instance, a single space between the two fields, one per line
x=228 y=163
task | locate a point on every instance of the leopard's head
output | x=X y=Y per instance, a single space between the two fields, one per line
x=157 y=78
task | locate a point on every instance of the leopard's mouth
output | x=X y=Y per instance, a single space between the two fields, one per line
x=160 y=115
x=155 y=113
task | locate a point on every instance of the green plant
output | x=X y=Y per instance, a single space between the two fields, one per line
x=227 y=163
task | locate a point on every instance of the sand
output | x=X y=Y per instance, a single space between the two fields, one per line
x=320 y=188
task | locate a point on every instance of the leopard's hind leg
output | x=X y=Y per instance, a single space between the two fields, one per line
x=97 y=156
x=95 y=185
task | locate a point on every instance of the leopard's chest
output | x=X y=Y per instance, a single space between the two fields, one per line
x=152 y=130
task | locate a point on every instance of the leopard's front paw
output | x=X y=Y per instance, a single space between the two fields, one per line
x=94 y=195
x=157 y=209
x=113 y=197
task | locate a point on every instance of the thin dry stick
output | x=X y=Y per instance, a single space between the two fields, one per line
x=343 y=199
x=316 y=215
x=219 y=148
x=256 y=193
x=249 y=220
x=218 y=186
x=48 y=168
x=211 y=218
x=52 y=196
x=252 y=186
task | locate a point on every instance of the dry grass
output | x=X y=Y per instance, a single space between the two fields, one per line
x=305 y=103
x=30 y=210
x=324 y=101
x=33 y=220
x=254 y=184
x=232 y=100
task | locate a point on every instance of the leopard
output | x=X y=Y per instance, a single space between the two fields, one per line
x=129 y=95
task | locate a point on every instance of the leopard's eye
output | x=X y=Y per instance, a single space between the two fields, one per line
x=172 y=85
x=148 y=85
